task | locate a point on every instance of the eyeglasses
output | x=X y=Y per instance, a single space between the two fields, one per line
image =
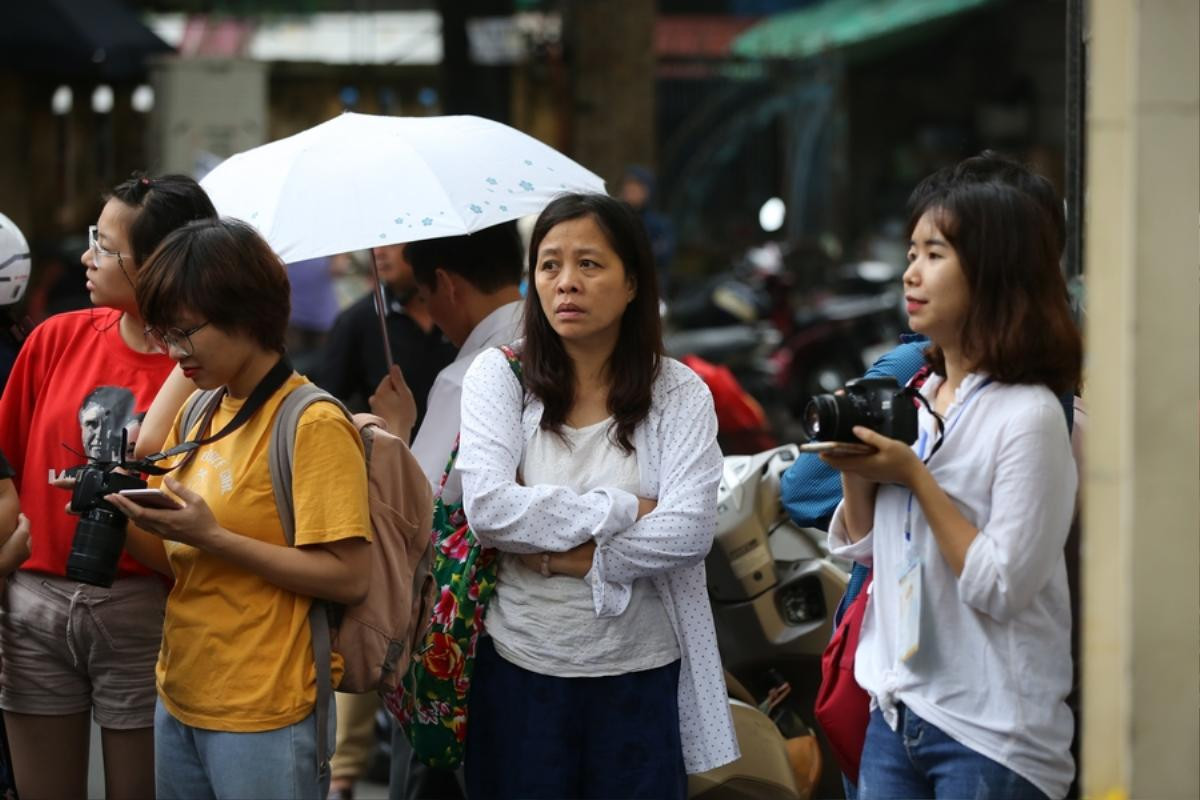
x=98 y=251
x=181 y=340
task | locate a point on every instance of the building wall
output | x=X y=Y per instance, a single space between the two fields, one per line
x=1141 y=551
x=207 y=110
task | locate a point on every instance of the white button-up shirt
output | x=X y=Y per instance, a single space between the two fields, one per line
x=994 y=665
x=435 y=439
x=679 y=463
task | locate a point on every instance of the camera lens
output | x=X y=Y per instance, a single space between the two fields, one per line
x=812 y=420
x=820 y=418
x=96 y=549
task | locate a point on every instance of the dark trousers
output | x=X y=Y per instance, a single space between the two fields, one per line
x=536 y=736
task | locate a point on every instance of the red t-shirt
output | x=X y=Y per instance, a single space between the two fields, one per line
x=75 y=383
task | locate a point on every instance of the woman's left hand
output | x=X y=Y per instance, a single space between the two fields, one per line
x=892 y=462
x=192 y=524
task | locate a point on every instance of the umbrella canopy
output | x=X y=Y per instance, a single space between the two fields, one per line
x=360 y=181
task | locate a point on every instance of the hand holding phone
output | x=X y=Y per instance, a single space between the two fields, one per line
x=151 y=498
x=838 y=448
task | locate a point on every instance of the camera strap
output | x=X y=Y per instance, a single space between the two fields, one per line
x=943 y=431
x=941 y=425
x=266 y=387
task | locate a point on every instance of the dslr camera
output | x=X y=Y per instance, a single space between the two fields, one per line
x=100 y=533
x=880 y=404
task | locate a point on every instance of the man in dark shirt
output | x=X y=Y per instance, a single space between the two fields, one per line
x=352 y=362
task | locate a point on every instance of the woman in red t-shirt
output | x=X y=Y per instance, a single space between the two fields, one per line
x=77 y=392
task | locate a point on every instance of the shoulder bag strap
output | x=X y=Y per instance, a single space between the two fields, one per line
x=514 y=363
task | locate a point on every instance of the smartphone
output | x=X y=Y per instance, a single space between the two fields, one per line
x=838 y=448
x=150 y=498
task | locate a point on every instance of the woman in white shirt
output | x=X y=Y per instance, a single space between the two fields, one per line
x=597 y=481
x=965 y=647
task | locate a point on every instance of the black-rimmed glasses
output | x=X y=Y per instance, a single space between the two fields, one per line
x=181 y=340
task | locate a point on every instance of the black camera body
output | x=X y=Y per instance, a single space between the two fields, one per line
x=881 y=404
x=100 y=534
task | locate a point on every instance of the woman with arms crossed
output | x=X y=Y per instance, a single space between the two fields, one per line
x=597 y=482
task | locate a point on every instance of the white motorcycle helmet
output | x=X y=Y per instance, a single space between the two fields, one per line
x=15 y=262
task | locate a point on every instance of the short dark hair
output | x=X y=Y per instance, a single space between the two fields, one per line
x=163 y=204
x=1019 y=327
x=224 y=271
x=489 y=259
x=635 y=361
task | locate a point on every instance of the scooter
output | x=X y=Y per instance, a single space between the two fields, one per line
x=773 y=588
x=721 y=324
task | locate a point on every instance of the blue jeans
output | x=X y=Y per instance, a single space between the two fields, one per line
x=193 y=763
x=919 y=761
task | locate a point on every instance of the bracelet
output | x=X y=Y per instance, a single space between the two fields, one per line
x=545 y=565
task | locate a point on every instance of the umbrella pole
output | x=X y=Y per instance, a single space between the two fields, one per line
x=381 y=314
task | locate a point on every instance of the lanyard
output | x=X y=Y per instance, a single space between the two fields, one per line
x=922 y=440
x=266 y=387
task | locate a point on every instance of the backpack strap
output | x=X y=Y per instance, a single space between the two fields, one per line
x=282 y=448
x=202 y=405
x=192 y=409
x=280 y=458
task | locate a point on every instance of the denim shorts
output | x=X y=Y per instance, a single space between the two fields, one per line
x=67 y=647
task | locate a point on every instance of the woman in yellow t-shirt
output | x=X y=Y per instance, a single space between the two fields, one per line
x=236 y=676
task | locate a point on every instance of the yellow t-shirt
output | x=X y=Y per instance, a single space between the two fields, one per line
x=236 y=651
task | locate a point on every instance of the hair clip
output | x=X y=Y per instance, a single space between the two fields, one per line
x=145 y=181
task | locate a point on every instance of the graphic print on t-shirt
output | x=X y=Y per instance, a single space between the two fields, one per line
x=106 y=413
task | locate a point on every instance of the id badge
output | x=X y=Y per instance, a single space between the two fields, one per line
x=910 y=611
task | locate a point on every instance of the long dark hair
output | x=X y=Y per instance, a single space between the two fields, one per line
x=635 y=361
x=1019 y=327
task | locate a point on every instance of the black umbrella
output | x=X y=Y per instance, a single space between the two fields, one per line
x=95 y=38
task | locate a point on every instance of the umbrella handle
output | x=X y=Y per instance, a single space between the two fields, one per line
x=381 y=314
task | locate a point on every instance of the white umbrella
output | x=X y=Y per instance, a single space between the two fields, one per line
x=360 y=181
